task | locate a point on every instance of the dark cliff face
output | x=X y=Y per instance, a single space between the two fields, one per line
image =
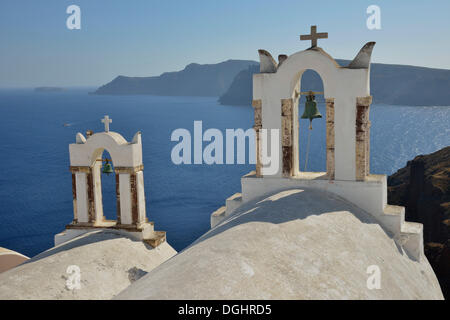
x=423 y=187
x=241 y=89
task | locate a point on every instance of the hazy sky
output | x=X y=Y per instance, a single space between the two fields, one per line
x=148 y=37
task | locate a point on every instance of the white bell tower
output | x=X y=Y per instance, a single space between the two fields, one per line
x=86 y=164
x=347 y=95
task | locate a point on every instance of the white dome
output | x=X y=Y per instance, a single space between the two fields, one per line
x=296 y=244
x=108 y=262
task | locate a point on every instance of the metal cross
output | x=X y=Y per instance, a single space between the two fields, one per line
x=106 y=120
x=314 y=36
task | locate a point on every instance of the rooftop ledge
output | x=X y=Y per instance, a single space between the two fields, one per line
x=374 y=178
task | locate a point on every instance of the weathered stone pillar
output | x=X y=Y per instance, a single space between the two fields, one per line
x=362 y=137
x=124 y=196
x=133 y=191
x=257 y=106
x=287 y=138
x=330 y=138
x=83 y=198
x=369 y=124
x=119 y=221
x=90 y=192
x=130 y=195
x=74 y=197
x=97 y=191
x=142 y=215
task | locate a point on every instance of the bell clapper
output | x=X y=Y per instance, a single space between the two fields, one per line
x=307 y=146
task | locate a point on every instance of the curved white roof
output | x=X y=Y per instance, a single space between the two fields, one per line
x=296 y=244
x=108 y=263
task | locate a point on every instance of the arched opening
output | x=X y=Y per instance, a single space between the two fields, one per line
x=104 y=188
x=108 y=185
x=312 y=152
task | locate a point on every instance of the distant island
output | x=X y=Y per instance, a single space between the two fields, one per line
x=231 y=81
x=49 y=89
x=195 y=79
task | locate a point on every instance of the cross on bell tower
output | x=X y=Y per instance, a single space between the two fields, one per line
x=314 y=36
x=106 y=120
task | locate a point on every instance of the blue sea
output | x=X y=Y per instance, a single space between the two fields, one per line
x=35 y=182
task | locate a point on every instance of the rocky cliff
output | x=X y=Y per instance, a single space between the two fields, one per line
x=232 y=81
x=414 y=86
x=194 y=80
x=423 y=187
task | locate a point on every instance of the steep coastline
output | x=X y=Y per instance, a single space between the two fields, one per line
x=423 y=187
x=194 y=80
x=231 y=81
x=414 y=86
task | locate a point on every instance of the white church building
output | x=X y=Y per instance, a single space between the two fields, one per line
x=287 y=235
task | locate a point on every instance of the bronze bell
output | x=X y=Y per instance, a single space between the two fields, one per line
x=311 y=111
x=107 y=168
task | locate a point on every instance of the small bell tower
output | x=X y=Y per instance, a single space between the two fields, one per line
x=86 y=167
x=347 y=98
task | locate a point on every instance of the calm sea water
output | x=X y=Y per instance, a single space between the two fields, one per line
x=35 y=182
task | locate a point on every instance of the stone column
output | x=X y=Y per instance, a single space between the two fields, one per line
x=134 y=200
x=74 y=197
x=82 y=198
x=83 y=210
x=362 y=137
x=142 y=216
x=119 y=221
x=97 y=191
x=369 y=124
x=257 y=106
x=124 y=196
x=130 y=191
x=286 y=139
x=295 y=137
x=330 y=138
x=90 y=193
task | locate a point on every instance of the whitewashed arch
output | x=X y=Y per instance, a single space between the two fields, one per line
x=86 y=163
x=342 y=85
x=123 y=153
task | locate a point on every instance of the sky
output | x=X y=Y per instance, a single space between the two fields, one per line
x=149 y=37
